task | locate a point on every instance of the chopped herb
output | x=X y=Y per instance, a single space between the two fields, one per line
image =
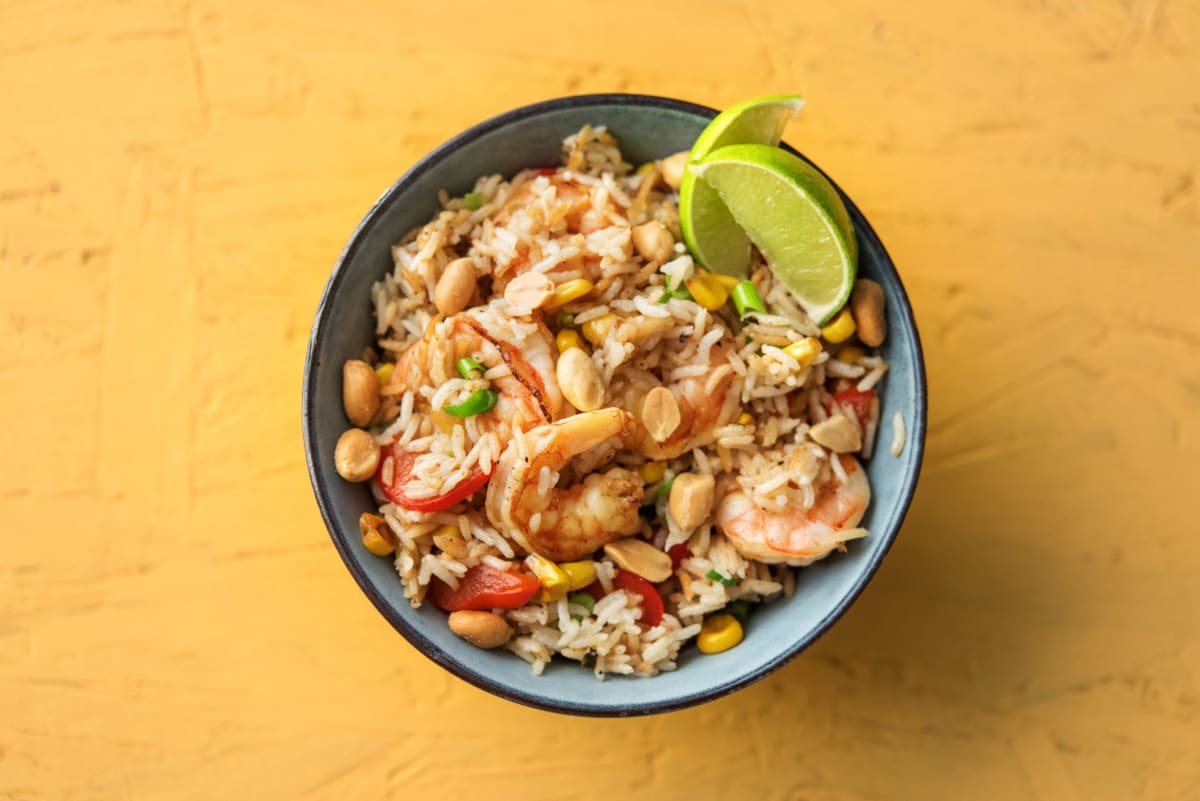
x=721 y=577
x=564 y=319
x=665 y=488
x=473 y=200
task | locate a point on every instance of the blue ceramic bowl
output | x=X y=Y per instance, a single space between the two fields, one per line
x=648 y=128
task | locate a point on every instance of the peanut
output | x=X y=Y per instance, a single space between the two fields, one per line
x=360 y=391
x=660 y=413
x=356 y=455
x=691 y=499
x=580 y=380
x=672 y=168
x=866 y=305
x=653 y=241
x=455 y=287
x=481 y=629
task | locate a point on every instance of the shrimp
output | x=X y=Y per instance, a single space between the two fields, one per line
x=571 y=204
x=564 y=524
x=706 y=402
x=528 y=393
x=798 y=536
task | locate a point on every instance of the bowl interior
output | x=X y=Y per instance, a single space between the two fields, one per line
x=647 y=128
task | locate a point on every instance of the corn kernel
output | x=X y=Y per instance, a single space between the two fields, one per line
x=597 y=329
x=450 y=540
x=652 y=472
x=554 y=579
x=384 y=372
x=804 y=351
x=647 y=167
x=707 y=291
x=745 y=419
x=851 y=354
x=840 y=328
x=568 y=291
x=719 y=633
x=579 y=574
x=727 y=281
x=567 y=339
x=377 y=537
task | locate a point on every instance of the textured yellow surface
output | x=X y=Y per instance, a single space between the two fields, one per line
x=176 y=179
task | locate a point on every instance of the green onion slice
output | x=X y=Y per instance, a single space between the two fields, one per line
x=466 y=366
x=478 y=402
x=584 y=600
x=721 y=577
x=746 y=299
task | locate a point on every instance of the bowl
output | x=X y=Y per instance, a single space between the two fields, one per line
x=647 y=128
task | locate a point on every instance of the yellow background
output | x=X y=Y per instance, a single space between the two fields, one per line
x=176 y=180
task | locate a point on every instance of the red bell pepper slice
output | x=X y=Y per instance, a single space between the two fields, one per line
x=652 y=605
x=860 y=402
x=678 y=553
x=484 y=587
x=402 y=463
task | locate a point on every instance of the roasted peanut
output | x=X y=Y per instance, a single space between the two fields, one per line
x=356 y=455
x=481 y=629
x=580 y=380
x=838 y=434
x=455 y=287
x=653 y=241
x=531 y=290
x=660 y=413
x=691 y=499
x=450 y=541
x=360 y=391
x=672 y=168
x=638 y=556
x=866 y=304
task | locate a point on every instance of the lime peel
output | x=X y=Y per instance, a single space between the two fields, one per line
x=710 y=232
x=794 y=216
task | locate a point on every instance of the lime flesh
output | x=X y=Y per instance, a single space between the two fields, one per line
x=794 y=216
x=710 y=232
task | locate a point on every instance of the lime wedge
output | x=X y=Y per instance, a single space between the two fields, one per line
x=794 y=216
x=714 y=239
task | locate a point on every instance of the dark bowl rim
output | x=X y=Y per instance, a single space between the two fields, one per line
x=915 y=434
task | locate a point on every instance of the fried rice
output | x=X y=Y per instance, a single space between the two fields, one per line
x=751 y=431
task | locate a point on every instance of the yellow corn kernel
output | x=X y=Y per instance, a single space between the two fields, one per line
x=851 y=354
x=652 y=472
x=840 y=328
x=579 y=574
x=377 y=537
x=647 y=167
x=707 y=291
x=804 y=351
x=727 y=281
x=597 y=329
x=719 y=633
x=384 y=372
x=745 y=419
x=567 y=339
x=554 y=579
x=568 y=291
